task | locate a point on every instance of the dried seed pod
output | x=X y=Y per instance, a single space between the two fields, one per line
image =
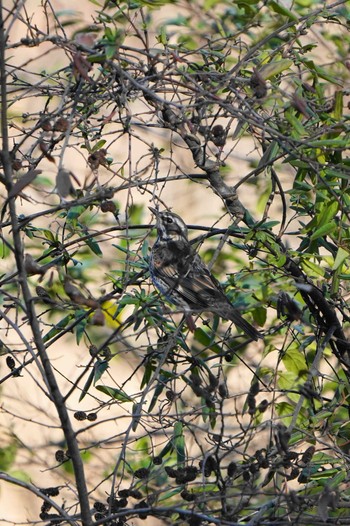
x=135 y=494
x=186 y=495
x=93 y=351
x=73 y=292
x=251 y=402
x=45 y=149
x=97 y=158
x=98 y=318
x=300 y=105
x=218 y=135
x=170 y=395
x=10 y=362
x=60 y=455
x=64 y=184
x=263 y=406
x=282 y=437
x=16 y=164
x=80 y=415
x=50 y=492
x=171 y=472
x=307 y=456
x=231 y=469
x=223 y=391
x=140 y=505
x=124 y=493
x=141 y=473
x=109 y=206
x=81 y=66
x=32 y=267
x=258 y=84
x=45 y=124
x=61 y=125
x=254 y=388
x=293 y=474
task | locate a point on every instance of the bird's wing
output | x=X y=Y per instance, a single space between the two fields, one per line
x=192 y=282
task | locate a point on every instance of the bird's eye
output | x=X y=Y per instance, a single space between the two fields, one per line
x=169 y=220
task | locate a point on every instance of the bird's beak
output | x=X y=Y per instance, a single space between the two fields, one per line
x=154 y=211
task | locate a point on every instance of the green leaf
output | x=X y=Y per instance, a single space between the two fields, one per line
x=109 y=34
x=259 y=315
x=338 y=479
x=341 y=256
x=308 y=265
x=329 y=143
x=75 y=212
x=162 y=37
x=295 y=122
x=98 y=145
x=49 y=235
x=338 y=105
x=285 y=409
x=7 y=456
x=179 y=443
x=100 y=368
x=294 y=361
x=158 y=391
x=149 y=368
x=326 y=76
x=81 y=326
x=274 y=68
x=282 y=10
x=323 y=231
x=202 y=337
x=87 y=385
x=269 y=155
x=94 y=246
x=136 y=415
x=241 y=128
x=168 y=448
x=328 y=212
x=269 y=224
x=57 y=329
x=115 y=393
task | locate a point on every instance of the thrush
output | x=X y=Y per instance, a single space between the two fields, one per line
x=179 y=273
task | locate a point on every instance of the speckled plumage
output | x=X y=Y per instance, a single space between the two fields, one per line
x=182 y=277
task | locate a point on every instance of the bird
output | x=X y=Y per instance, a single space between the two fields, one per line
x=181 y=276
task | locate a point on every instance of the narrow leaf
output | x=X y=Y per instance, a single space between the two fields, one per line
x=115 y=393
x=341 y=256
x=324 y=230
x=100 y=367
x=179 y=443
x=87 y=385
x=282 y=10
x=274 y=68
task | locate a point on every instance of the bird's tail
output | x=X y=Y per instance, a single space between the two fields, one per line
x=233 y=315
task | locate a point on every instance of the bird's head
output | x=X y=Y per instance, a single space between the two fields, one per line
x=170 y=226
